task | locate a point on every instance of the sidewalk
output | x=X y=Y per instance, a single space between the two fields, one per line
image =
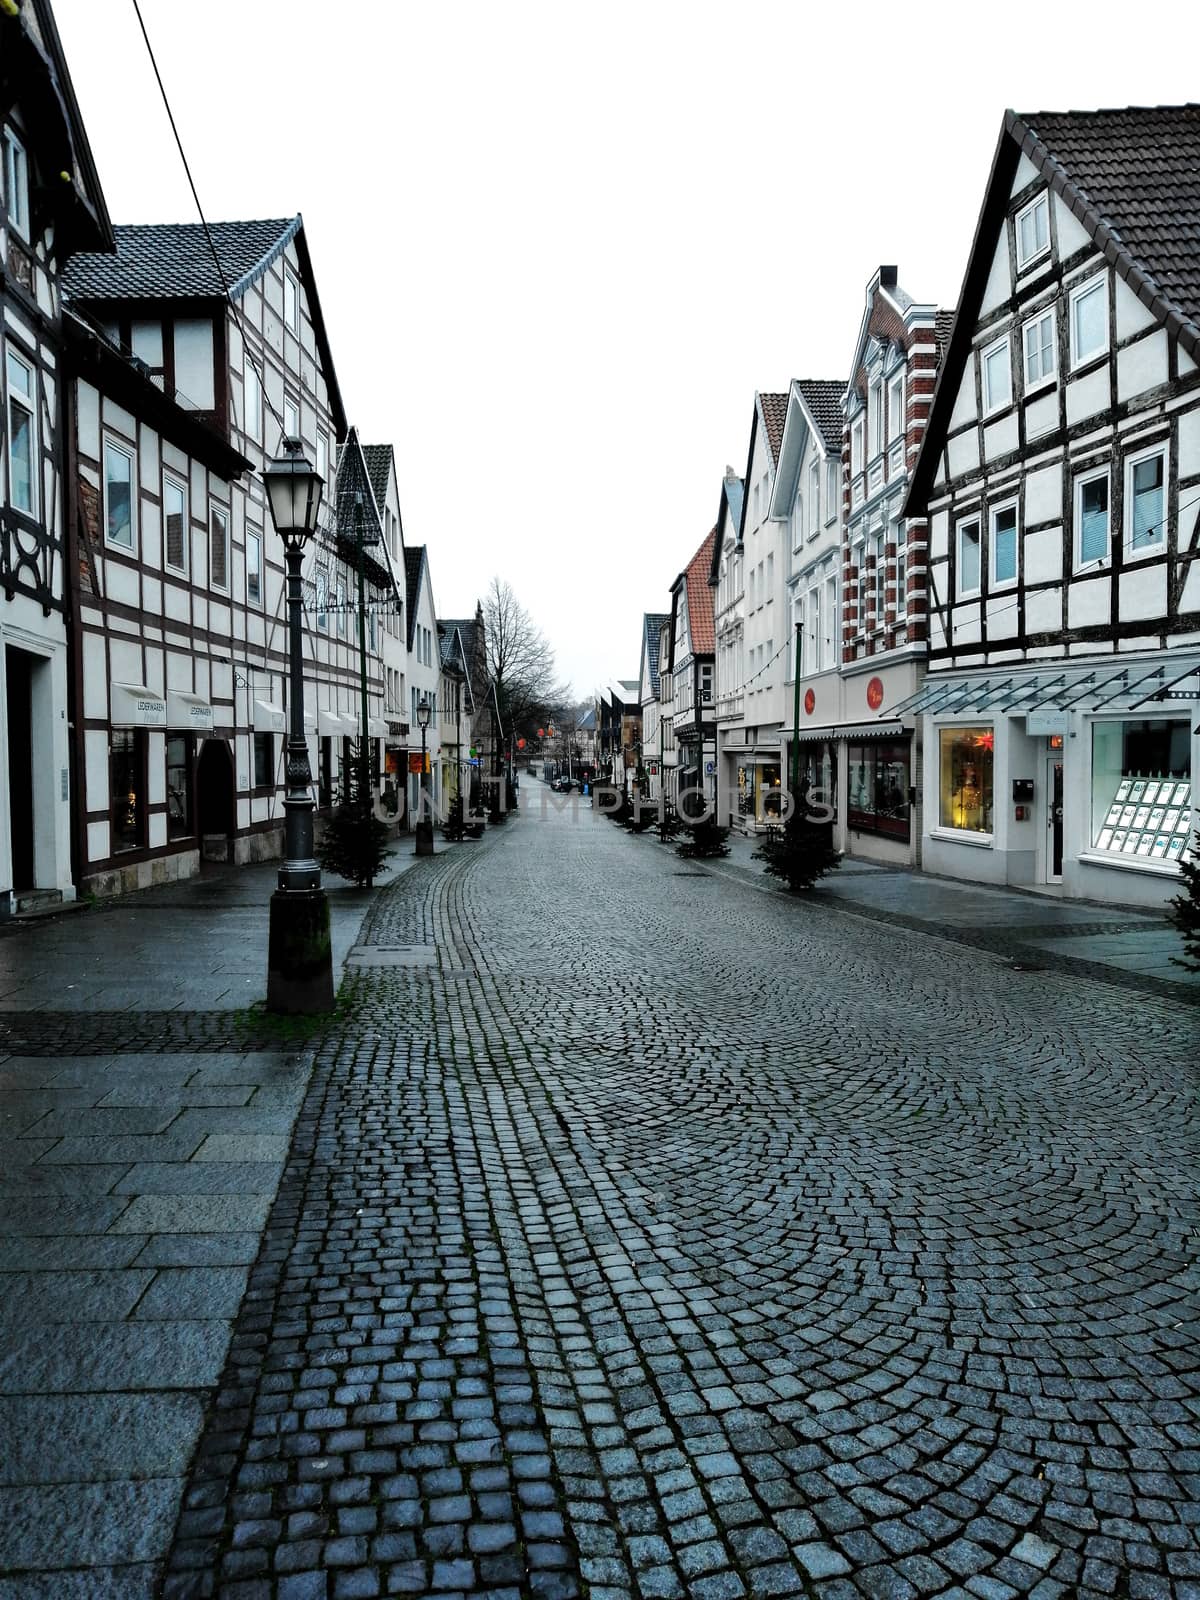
x=143 y=1131
x=1113 y=942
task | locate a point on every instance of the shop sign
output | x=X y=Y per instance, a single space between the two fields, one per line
x=810 y=702
x=875 y=693
x=1042 y=724
x=416 y=762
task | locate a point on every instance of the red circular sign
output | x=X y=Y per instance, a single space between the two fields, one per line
x=520 y=744
x=875 y=693
x=810 y=702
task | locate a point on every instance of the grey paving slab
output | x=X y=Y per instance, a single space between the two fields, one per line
x=125 y=1357
x=199 y=1177
x=268 y=1148
x=139 y=1582
x=72 y=1252
x=250 y=1119
x=193 y=1292
x=57 y=1295
x=65 y=1439
x=103 y=1122
x=32 y=1216
x=101 y=1524
x=194 y=1213
x=50 y=1178
x=196 y=1249
x=129 y=1148
x=176 y=1097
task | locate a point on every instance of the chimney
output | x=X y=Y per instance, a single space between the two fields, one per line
x=887 y=277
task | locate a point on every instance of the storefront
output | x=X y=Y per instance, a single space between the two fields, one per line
x=756 y=784
x=1075 y=780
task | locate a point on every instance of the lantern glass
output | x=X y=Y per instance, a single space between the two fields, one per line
x=294 y=491
x=423 y=710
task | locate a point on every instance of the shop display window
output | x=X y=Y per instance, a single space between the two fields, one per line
x=126 y=767
x=878 y=775
x=818 y=765
x=1141 y=788
x=966 y=762
x=179 y=786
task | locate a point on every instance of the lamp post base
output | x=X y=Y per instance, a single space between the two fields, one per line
x=299 y=954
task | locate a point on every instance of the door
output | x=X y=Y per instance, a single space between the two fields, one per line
x=216 y=799
x=20 y=767
x=1053 y=791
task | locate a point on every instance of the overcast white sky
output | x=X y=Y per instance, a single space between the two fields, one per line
x=559 y=245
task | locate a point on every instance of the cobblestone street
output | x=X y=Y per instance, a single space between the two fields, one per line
x=645 y=1235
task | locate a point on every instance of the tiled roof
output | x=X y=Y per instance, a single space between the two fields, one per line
x=700 y=599
x=774 y=410
x=942 y=323
x=173 y=260
x=1138 y=171
x=378 y=458
x=653 y=623
x=414 y=561
x=823 y=397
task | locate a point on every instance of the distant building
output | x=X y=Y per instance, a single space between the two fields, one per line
x=692 y=666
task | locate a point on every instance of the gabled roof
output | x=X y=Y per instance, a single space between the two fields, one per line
x=694 y=579
x=587 y=721
x=352 y=491
x=414 y=568
x=378 y=458
x=452 y=655
x=174 y=261
x=774 y=415
x=823 y=401
x=1131 y=178
x=884 y=285
x=732 y=494
x=34 y=75
x=652 y=626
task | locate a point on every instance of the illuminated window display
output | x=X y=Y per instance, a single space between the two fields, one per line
x=878 y=775
x=1142 y=789
x=966 y=756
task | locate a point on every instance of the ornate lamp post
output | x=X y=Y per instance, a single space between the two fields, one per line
x=424 y=830
x=300 y=958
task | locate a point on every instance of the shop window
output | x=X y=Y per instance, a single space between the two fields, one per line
x=966 y=778
x=1141 y=788
x=264 y=760
x=179 y=786
x=325 y=773
x=126 y=787
x=878 y=773
x=818 y=768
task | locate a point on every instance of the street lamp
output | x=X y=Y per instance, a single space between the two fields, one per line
x=424 y=831
x=299 y=954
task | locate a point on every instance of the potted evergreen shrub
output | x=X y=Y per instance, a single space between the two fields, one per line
x=355 y=844
x=1185 y=909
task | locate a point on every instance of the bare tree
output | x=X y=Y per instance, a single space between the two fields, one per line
x=520 y=661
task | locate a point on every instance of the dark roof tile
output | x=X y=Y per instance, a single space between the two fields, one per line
x=774 y=410
x=173 y=260
x=823 y=397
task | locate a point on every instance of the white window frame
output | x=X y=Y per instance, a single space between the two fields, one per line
x=860 y=586
x=16 y=183
x=1096 y=284
x=962 y=591
x=895 y=407
x=879 y=580
x=857 y=431
x=814 y=498
x=1159 y=543
x=833 y=487
x=901 y=572
x=1040 y=202
x=26 y=400
x=251 y=384
x=292 y=323
x=127 y=451
x=994 y=512
x=219 y=514
x=1092 y=563
x=255 y=535
x=1045 y=379
x=830 y=622
x=339 y=603
x=991 y=404
x=290 y=405
x=321 y=599
x=874 y=419
x=171 y=480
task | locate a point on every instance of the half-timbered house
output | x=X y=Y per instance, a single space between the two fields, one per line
x=1061 y=479
x=884 y=573
x=51 y=206
x=726 y=580
x=648 y=693
x=692 y=665
x=424 y=671
x=197 y=352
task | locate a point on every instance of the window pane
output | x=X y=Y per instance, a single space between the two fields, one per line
x=174 y=514
x=1033 y=231
x=1147 y=502
x=264 y=760
x=1004 y=544
x=878 y=778
x=966 y=778
x=968 y=557
x=997 y=379
x=1090 y=324
x=253 y=566
x=219 y=550
x=21 y=454
x=179 y=787
x=1093 y=519
x=118 y=496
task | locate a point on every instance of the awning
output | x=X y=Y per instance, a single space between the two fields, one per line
x=188 y=711
x=332 y=726
x=376 y=728
x=132 y=705
x=269 y=718
x=310 y=722
x=1056 y=687
x=887 y=729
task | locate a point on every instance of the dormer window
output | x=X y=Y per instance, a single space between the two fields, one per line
x=16 y=184
x=1033 y=231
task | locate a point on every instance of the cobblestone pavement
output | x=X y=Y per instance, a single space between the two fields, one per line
x=656 y=1237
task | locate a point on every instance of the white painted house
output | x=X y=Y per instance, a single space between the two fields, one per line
x=51 y=206
x=727 y=581
x=653 y=732
x=1061 y=477
x=424 y=675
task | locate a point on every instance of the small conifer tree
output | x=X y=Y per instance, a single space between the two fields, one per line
x=1185 y=909
x=801 y=852
x=703 y=840
x=355 y=843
